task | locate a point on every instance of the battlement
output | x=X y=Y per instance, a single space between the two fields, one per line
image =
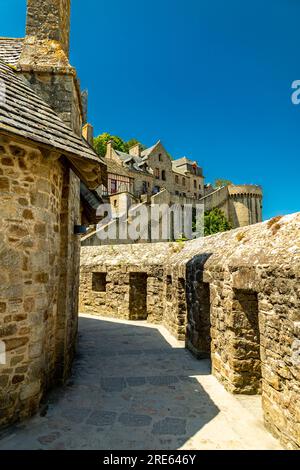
x=245 y=189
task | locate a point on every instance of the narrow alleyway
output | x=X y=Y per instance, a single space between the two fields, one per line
x=135 y=387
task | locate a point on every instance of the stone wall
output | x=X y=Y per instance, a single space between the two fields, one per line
x=37 y=329
x=233 y=296
x=118 y=263
x=251 y=278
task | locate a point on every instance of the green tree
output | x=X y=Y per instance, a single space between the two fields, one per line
x=100 y=143
x=132 y=142
x=222 y=182
x=215 y=221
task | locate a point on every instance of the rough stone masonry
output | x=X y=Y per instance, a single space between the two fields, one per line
x=234 y=297
x=42 y=160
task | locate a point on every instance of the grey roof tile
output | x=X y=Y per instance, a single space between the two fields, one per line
x=137 y=163
x=24 y=114
x=10 y=50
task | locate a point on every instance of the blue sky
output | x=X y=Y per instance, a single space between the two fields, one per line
x=211 y=79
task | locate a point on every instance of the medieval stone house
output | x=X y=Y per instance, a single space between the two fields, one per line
x=233 y=297
x=43 y=158
x=150 y=177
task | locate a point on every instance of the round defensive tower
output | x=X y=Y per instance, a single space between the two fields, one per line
x=245 y=204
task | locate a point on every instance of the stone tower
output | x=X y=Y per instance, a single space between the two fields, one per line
x=45 y=59
x=49 y=20
x=245 y=205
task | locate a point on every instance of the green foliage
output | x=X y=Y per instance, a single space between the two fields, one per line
x=182 y=239
x=132 y=142
x=221 y=182
x=119 y=144
x=100 y=143
x=215 y=221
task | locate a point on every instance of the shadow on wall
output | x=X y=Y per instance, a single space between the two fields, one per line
x=129 y=390
x=198 y=336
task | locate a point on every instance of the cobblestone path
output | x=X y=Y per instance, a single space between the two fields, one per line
x=134 y=387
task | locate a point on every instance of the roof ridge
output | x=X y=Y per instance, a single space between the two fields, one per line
x=11 y=39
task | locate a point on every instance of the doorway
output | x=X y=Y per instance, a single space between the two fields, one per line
x=138 y=296
x=245 y=324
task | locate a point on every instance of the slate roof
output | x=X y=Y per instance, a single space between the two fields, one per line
x=136 y=163
x=23 y=113
x=10 y=50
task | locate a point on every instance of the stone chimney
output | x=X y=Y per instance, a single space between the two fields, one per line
x=44 y=60
x=136 y=150
x=49 y=20
x=88 y=133
x=109 y=150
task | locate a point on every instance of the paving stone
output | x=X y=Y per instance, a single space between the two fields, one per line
x=133 y=352
x=163 y=380
x=134 y=420
x=49 y=438
x=170 y=426
x=136 y=381
x=76 y=415
x=102 y=418
x=113 y=384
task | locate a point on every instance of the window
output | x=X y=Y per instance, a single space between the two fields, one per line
x=195 y=195
x=184 y=195
x=163 y=175
x=195 y=184
x=176 y=179
x=177 y=193
x=115 y=203
x=156 y=173
x=99 y=282
x=113 y=186
x=183 y=181
x=160 y=157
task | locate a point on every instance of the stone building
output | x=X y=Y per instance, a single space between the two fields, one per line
x=150 y=177
x=153 y=170
x=233 y=297
x=43 y=158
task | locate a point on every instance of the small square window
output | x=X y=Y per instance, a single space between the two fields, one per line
x=99 y=282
